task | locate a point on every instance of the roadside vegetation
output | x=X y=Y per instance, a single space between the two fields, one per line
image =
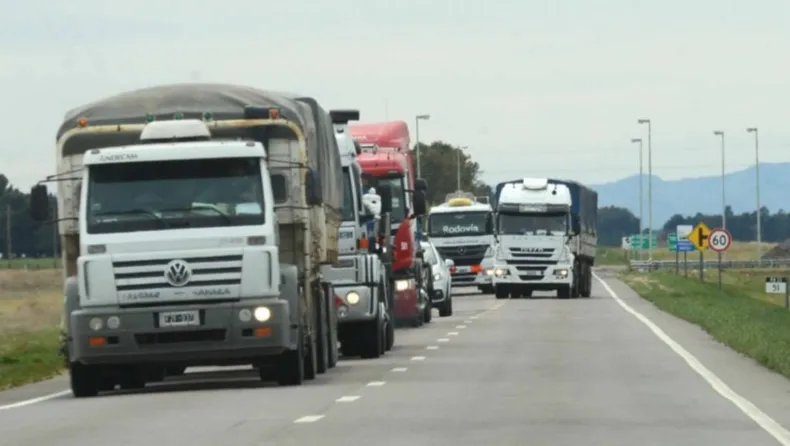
x=740 y=314
x=610 y=255
x=30 y=307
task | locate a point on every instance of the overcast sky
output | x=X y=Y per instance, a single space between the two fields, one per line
x=533 y=87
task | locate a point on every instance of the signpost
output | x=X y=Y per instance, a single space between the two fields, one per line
x=777 y=285
x=699 y=238
x=719 y=240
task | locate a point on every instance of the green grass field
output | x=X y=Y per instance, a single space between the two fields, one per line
x=608 y=255
x=30 y=263
x=30 y=310
x=740 y=314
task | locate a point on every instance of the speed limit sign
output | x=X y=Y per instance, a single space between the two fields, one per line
x=719 y=240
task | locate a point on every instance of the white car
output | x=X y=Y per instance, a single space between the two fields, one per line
x=441 y=291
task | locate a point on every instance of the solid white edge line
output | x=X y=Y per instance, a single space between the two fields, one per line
x=768 y=424
x=39 y=399
x=309 y=419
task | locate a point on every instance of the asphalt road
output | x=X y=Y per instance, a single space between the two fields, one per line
x=608 y=371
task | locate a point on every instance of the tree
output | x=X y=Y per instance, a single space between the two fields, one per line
x=439 y=165
x=614 y=223
x=28 y=237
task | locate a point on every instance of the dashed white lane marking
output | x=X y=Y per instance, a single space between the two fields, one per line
x=460 y=326
x=452 y=333
x=776 y=430
x=442 y=340
x=348 y=399
x=432 y=347
x=474 y=317
x=376 y=383
x=399 y=369
x=39 y=399
x=418 y=358
x=468 y=321
x=309 y=419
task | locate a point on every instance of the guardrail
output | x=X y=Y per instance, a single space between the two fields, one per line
x=660 y=265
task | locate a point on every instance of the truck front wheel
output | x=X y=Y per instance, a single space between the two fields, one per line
x=501 y=293
x=564 y=292
x=290 y=367
x=84 y=380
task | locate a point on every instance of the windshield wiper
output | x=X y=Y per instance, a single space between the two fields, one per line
x=134 y=211
x=224 y=216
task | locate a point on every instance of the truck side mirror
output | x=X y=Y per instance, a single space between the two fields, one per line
x=419 y=203
x=385 y=192
x=449 y=263
x=420 y=184
x=39 y=203
x=576 y=226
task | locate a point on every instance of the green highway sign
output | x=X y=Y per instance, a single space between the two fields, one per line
x=641 y=242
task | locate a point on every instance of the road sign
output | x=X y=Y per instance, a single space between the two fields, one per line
x=699 y=236
x=641 y=241
x=776 y=285
x=683 y=243
x=719 y=240
x=626 y=243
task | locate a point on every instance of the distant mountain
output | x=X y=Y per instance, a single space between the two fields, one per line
x=691 y=195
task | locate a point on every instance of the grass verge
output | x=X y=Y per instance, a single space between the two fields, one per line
x=28 y=357
x=30 y=307
x=732 y=315
x=608 y=255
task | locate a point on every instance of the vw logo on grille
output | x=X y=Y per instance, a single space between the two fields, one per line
x=461 y=250
x=178 y=273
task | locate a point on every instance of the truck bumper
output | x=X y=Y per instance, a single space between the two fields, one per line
x=551 y=277
x=471 y=279
x=362 y=310
x=221 y=338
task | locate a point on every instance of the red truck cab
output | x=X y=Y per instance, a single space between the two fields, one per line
x=385 y=160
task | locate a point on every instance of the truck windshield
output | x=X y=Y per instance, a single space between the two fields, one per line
x=459 y=224
x=149 y=196
x=533 y=224
x=348 y=196
x=398 y=194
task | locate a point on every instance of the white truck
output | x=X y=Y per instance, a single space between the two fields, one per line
x=360 y=277
x=195 y=221
x=462 y=230
x=545 y=238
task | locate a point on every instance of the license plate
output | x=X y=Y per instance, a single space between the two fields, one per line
x=533 y=273
x=179 y=319
x=462 y=269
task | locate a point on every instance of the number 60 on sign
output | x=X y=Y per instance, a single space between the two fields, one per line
x=719 y=240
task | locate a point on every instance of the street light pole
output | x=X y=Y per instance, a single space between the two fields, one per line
x=641 y=195
x=757 y=174
x=417 y=120
x=720 y=134
x=649 y=186
x=458 y=174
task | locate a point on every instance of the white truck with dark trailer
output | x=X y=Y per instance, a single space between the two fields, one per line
x=546 y=238
x=195 y=223
x=360 y=277
x=462 y=230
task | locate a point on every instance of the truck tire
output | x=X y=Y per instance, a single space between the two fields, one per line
x=587 y=281
x=333 y=355
x=321 y=331
x=515 y=294
x=564 y=292
x=311 y=358
x=84 y=380
x=486 y=289
x=175 y=370
x=428 y=313
x=372 y=342
x=290 y=368
x=577 y=280
x=446 y=309
x=389 y=340
x=526 y=293
x=501 y=293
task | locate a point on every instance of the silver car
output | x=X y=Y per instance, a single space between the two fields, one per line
x=441 y=291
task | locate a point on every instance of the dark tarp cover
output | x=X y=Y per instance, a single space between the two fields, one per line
x=223 y=102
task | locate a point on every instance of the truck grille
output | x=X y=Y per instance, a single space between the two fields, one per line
x=531 y=253
x=205 y=271
x=464 y=255
x=531 y=272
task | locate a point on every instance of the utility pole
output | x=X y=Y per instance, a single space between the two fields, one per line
x=757 y=180
x=417 y=120
x=641 y=196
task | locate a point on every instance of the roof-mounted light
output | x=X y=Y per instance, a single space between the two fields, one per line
x=179 y=129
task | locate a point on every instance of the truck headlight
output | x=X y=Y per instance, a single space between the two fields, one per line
x=245 y=315
x=262 y=314
x=96 y=324
x=113 y=322
x=561 y=272
x=402 y=285
x=352 y=297
x=437 y=276
x=499 y=272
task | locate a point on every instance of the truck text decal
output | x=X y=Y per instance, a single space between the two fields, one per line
x=460 y=229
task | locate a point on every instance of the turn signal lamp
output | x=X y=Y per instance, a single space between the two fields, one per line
x=274 y=113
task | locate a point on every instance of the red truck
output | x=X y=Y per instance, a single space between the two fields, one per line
x=386 y=162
